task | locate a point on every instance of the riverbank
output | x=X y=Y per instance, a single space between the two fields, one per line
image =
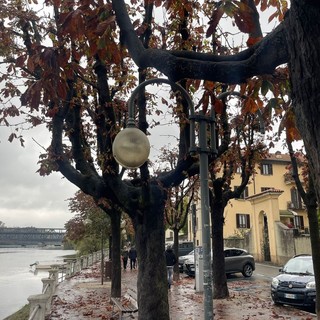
x=21 y=314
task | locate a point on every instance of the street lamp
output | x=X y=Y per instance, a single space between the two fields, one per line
x=127 y=150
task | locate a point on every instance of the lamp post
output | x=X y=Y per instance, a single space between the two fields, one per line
x=128 y=151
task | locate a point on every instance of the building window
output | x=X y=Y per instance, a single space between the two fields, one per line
x=265 y=188
x=296 y=202
x=266 y=169
x=298 y=222
x=243 y=220
x=244 y=194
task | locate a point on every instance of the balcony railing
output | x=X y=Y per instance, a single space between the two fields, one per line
x=295 y=206
x=288 y=179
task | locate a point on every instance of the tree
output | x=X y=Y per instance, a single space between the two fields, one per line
x=91 y=225
x=239 y=156
x=78 y=81
x=177 y=208
x=179 y=199
x=88 y=225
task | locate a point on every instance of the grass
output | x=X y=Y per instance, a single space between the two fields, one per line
x=22 y=314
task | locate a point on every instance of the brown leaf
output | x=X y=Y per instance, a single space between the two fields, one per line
x=215 y=18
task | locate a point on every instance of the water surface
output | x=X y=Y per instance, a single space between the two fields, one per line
x=17 y=281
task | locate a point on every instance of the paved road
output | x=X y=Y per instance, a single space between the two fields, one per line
x=266 y=271
x=261 y=279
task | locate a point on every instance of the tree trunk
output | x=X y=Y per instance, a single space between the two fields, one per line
x=220 y=287
x=176 y=272
x=303 y=47
x=152 y=275
x=115 y=254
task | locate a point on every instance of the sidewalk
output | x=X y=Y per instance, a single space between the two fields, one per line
x=83 y=297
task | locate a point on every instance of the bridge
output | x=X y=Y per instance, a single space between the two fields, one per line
x=31 y=236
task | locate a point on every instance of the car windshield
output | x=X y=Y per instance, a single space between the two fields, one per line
x=299 y=266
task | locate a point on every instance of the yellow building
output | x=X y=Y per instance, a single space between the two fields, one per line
x=269 y=214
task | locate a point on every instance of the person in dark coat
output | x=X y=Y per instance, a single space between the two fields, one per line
x=124 y=255
x=133 y=257
x=170 y=261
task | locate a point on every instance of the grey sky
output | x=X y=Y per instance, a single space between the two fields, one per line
x=26 y=198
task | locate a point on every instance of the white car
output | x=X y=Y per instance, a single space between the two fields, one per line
x=182 y=259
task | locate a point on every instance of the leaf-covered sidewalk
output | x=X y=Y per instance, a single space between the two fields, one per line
x=83 y=297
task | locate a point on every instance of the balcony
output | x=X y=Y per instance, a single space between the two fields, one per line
x=295 y=206
x=288 y=179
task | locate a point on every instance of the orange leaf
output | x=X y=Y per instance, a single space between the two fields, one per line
x=218 y=106
x=251 y=41
x=264 y=5
x=209 y=85
x=250 y=106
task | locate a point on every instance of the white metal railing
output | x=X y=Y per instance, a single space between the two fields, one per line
x=40 y=304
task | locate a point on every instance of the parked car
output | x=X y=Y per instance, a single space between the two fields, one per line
x=182 y=259
x=295 y=285
x=184 y=247
x=236 y=260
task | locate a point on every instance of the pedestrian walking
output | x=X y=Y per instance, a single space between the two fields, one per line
x=133 y=257
x=170 y=261
x=124 y=255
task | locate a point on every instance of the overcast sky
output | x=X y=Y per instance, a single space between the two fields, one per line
x=26 y=198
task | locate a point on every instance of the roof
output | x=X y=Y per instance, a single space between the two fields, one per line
x=277 y=157
x=269 y=191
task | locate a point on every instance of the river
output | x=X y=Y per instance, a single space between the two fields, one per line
x=17 y=281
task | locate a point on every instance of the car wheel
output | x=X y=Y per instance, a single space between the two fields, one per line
x=247 y=270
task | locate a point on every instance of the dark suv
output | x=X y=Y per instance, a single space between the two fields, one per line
x=295 y=285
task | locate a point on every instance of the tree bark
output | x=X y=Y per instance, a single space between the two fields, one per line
x=303 y=44
x=150 y=239
x=115 y=252
x=220 y=287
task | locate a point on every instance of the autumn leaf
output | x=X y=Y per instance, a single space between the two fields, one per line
x=264 y=5
x=73 y=24
x=288 y=124
x=20 y=61
x=215 y=18
x=209 y=85
x=102 y=27
x=250 y=106
x=11 y=137
x=251 y=41
x=218 y=106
